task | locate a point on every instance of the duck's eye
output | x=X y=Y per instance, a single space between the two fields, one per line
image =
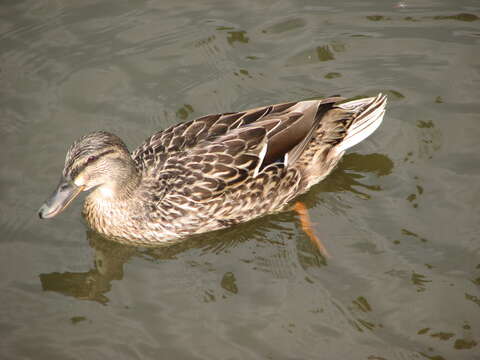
x=91 y=159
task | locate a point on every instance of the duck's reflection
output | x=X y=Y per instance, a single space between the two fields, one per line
x=347 y=177
x=110 y=256
x=93 y=284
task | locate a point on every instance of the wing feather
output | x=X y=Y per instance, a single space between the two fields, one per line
x=203 y=158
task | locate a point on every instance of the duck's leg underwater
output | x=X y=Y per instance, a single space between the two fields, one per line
x=306 y=224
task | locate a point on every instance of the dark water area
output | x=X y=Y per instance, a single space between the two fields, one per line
x=400 y=214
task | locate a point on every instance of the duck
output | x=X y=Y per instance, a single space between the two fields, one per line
x=212 y=172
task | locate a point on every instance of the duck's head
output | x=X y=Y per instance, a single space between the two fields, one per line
x=98 y=160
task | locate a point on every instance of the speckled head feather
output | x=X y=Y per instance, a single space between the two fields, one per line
x=89 y=148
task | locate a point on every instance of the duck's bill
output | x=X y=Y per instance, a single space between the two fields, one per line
x=64 y=194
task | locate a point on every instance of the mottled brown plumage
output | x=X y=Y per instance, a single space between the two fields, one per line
x=212 y=172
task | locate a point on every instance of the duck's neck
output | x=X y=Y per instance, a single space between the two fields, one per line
x=121 y=187
x=109 y=207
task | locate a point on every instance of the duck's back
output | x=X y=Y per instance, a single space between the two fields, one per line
x=187 y=135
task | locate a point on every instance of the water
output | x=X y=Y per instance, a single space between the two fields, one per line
x=400 y=214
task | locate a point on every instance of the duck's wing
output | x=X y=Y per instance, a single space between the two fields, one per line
x=265 y=140
x=186 y=136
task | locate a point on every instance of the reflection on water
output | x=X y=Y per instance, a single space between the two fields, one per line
x=348 y=176
x=459 y=17
x=237 y=36
x=95 y=283
x=320 y=53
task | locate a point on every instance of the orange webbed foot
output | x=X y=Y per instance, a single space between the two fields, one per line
x=306 y=224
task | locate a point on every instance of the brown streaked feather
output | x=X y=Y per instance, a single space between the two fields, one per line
x=237 y=145
x=195 y=131
x=294 y=130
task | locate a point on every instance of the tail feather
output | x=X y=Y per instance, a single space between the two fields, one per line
x=370 y=112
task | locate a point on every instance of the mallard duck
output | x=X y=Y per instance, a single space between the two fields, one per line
x=212 y=172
